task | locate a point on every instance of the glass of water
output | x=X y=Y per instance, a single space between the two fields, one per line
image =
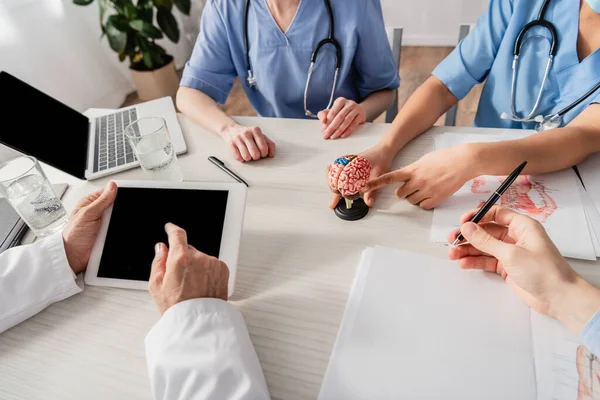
x=150 y=140
x=25 y=186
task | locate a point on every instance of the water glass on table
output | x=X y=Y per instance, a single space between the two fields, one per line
x=150 y=140
x=27 y=189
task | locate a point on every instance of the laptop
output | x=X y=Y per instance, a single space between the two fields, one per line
x=88 y=148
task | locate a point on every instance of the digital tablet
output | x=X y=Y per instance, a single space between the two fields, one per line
x=212 y=214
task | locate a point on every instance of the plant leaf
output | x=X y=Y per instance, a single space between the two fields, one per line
x=83 y=2
x=163 y=3
x=116 y=38
x=168 y=24
x=130 y=11
x=122 y=56
x=184 y=6
x=148 y=60
x=102 y=6
x=146 y=29
x=120 y=22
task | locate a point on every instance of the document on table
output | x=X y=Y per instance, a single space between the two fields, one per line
x=592 y=216
x=553 y=199
x=417 y=327
x=590 y=174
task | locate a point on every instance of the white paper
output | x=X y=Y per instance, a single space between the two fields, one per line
x=590 y=174
x=592 y=216
x=553 y=199
x=564 y=367
x=420 y=328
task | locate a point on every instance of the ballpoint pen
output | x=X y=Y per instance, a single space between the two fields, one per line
x=493 y=199
x=229 y=172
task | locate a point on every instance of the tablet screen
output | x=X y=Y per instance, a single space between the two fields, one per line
x=137 y=224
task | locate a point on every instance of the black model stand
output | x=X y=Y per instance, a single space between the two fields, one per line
x=358 y=211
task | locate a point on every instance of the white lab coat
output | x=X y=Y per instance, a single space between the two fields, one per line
x=199 y=349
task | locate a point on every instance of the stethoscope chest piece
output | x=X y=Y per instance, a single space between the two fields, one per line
x=549 y=122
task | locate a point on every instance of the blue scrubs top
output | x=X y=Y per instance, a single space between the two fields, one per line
x=280 y=61
x=487 y=53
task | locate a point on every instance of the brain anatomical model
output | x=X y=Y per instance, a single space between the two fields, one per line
x=348 y=176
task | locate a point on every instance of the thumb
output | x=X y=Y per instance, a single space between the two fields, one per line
x=483 y=241
x=101 y=204
x=159 y=264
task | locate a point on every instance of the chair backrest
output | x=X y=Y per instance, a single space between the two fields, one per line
x=395 y=39
x=451 y=114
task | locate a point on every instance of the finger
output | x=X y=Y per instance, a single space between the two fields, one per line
x=322 y=115
x=87 y=200
x=349 y=130
x=407 y=189
x=498 y=231
x=337 y=122
x=272 y=147
x=101 y=204
x=484 y=263
x=428 y=204
x=497 y=213
x=417 y=197
x=400 y=175
x=338 y=105
x=370 y=197
x=350 y=117
x=252 y=148
x=236 y=152
x=481 y=239
x=159 y=265
x=243 y=149
x=335 y=199
x=177 y=238
x=261 y=143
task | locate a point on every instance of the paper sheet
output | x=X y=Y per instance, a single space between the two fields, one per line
x=565 y=370
x=553 y=199
x=417 y=327
x=590 y=173
x=592 y=216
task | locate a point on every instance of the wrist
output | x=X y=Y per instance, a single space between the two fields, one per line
x=578 y=301
x=474 y=166
x=226 y=127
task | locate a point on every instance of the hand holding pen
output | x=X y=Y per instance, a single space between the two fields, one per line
x=493 y=199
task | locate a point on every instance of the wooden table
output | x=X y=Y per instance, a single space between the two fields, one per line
x=296 y=267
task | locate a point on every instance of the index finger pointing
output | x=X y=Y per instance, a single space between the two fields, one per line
x=177 y=237
x=400 y=175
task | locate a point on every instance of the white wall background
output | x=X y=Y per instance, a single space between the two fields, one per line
x=431 y=22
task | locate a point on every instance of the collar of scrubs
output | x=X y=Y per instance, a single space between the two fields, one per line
x=594 y=5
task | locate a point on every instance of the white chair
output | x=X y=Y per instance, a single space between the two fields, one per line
x=451 y=114
x=395 y=39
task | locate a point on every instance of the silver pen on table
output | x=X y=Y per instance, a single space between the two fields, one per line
x=229 y=172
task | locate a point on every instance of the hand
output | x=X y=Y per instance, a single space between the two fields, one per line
x=84 y=223
x=247 y=144
x=182 y=273
x=433 y=178
x=342 y=119
x=518 y=248
x=381 y=161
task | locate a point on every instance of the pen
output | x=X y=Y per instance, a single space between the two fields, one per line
x=493 y=199
x=229 y=172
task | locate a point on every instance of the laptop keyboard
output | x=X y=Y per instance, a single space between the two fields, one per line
x=112 y=147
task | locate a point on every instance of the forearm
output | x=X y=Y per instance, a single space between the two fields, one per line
x=203 y=110
x=33 y=277
x=430 y=101
x=578 y=303
x=544 y=152
x=376 y=103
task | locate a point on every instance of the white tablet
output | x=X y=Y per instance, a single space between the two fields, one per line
x=211 y=213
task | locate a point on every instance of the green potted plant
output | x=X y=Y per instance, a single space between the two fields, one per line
x=131 y=32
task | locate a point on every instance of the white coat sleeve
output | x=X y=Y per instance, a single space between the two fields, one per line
x=32 y=277
x=201 y=349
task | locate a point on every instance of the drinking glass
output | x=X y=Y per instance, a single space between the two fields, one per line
x=27 y=189
x=151 y=142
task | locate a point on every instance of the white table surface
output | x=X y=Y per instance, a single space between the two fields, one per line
x=296 y=266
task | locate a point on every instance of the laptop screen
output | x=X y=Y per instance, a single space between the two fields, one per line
x=38 y=125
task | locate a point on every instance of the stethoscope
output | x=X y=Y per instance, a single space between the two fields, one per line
x=549 y=121
x=251 y=79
